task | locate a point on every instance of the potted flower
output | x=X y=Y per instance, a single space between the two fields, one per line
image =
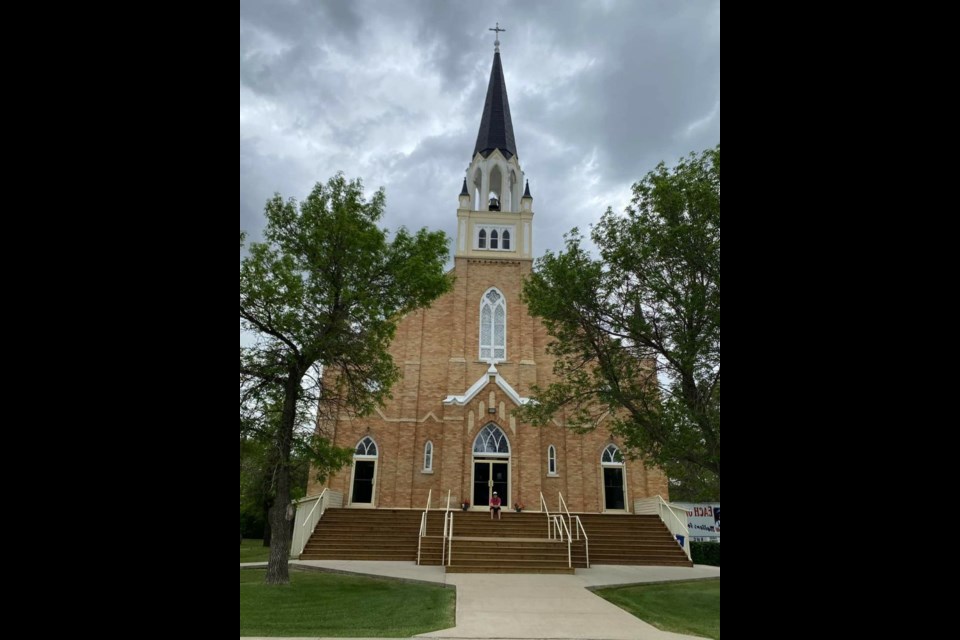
x=465 y=505
x=518 y=506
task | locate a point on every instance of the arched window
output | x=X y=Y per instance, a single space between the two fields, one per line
x=366 y=448
x=428 y=456
x=491 y=238
x=493 y=326
x=611 y=456
x=491 y=441
x=551 y=460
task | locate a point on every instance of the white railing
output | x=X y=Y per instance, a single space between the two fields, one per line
x=675 y=518
x=577 y=529
x=423 y=524
x=306 y=521
x=561 y=526
x=563 y=507
x=586 y=541
x=447 y=536
x=546 y=510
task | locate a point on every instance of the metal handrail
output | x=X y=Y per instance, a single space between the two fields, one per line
x=681 y=525
x=562 y=526
x=315 y=505
x=563 y=503
x=586 y=540
x=423 y=524
x=448 y=499
x=545 y=509
x=309 y=522
x=443 y=540
x=450 y=550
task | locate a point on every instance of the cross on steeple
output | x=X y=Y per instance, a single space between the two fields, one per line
x=496 y=43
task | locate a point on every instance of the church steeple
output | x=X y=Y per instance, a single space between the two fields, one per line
x=496 y=212
x=496 y=128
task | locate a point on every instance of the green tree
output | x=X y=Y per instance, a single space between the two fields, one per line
x=325 y=290
x=638 y=330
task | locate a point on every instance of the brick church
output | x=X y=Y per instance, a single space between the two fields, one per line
x=472 y=358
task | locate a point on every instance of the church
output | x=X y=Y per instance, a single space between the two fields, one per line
x=468 y=361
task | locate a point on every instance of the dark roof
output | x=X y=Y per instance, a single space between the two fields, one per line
x=496 y=128
x=464 y=191
x=526 y=190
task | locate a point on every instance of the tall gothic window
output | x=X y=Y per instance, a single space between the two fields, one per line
x=428 y=456
x=493 y=239
x=482 y=239
x=506 y=239
x=493 y=326
x=491 y=441
x=551 y=460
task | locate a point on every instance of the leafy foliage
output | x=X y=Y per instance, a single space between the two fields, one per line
x=637 y=331
x=322 y=296
x=705 y=552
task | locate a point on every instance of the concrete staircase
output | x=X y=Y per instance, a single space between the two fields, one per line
x=365 y=534
x=630 y=539
x=517 y=543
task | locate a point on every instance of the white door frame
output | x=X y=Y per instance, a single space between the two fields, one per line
x=373 y=488
x=488 y=457
x=603 y=487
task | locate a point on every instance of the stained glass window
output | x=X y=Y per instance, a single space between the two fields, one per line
x=366 y=447
x=491 y=440
x=493 y=326
x=611 y=455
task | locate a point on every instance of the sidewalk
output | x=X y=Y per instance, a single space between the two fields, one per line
x=498 y=605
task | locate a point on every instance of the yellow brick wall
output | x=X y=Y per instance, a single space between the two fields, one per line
x=437 y=351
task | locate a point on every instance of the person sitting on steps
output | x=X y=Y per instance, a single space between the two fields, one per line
x=495 y=505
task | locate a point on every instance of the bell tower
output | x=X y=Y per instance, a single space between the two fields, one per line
x=495 y=216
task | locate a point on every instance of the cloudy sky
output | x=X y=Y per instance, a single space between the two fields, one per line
x=392 y=91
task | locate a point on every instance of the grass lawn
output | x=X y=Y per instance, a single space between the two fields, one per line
x=329 y=604
x=253 y=551
x=683 y=607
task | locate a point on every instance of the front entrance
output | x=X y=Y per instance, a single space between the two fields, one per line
x=614 y=494
x=490 y=476
x=613 y=488
x=364 y=473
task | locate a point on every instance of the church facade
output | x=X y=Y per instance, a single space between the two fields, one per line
x=472 y=358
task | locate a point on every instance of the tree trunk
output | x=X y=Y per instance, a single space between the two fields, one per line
x=280 y=525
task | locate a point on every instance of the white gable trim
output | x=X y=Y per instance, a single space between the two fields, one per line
x=490 y=375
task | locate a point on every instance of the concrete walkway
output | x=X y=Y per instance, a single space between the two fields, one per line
x=502 y=605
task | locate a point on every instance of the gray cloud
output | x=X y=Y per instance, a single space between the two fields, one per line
x=600 y=91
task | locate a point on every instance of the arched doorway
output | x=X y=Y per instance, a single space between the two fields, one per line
x=364 y=473
x=614 y=492
x=491 y=466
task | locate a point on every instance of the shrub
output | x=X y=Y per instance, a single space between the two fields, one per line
x=705 y=552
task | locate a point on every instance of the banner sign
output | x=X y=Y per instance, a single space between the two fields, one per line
x=703 y=519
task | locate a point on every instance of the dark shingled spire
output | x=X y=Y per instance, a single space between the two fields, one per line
x=464 y=191
x=526 y=190
x=496 y=128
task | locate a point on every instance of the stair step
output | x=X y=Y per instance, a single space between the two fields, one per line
x=515 y=543
x=497 y=569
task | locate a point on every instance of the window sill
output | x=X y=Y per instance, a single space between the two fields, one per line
x=553 y=475
x=427 y=471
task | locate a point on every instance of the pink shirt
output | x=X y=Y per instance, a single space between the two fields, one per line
x=495 y=501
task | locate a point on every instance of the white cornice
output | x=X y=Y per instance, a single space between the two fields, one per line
x=490 y=376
